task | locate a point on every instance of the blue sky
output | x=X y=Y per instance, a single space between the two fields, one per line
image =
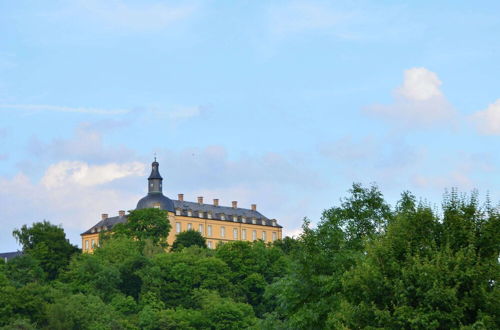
x=279 y=103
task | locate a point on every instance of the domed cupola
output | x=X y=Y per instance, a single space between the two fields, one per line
x=155 y=197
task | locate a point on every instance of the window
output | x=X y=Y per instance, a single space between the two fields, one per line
x=222 y=232
x=243 y=219
x=190 y=213
x=222 y=217
x=264 y=236
x=235 y=218
x=235 y=233
x=243 y=234
x=177 y=212
x=254 y=235
x=200 y=214
x=275 y=237
x=190 y=226
x=209 y=215
x=93 y=244
x=86 y=244
x=254 y=221
x=177 y=227
x=200 y=229
x=209 y=244
x=209 y=231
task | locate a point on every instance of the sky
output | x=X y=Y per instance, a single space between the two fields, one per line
x=279 y=103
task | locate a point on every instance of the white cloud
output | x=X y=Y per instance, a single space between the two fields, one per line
x=488 y=121
x=56 y=108
x=292 y=232
x=419 y=102
x=420 y=84
x=81 y=173
x=139 y=16
x=76 y=205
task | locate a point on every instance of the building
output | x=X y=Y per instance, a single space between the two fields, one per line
x=215 y=222
x=10 y=255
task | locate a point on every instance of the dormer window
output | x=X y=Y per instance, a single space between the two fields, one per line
x=235 y=218
x=200 y=214
x=254 y=221
x=209 y=215
x=190 y=214
x=243 y=219
x=177 y=212
x=92 y=230
x=222 y=217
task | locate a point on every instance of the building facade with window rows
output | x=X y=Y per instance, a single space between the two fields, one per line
x=215 y=222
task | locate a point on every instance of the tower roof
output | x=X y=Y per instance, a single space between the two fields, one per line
x=155 y=173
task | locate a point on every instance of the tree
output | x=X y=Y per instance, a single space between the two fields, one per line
x=82 y=312
x=48 y=244
x=145 y=224
x=23 y=270
x=188 y=238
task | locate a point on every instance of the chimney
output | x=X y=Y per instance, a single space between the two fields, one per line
x=200 y=200
x=104 y=216
x=235 y=204
x=121 y=213
x=254 y=207
x=180 y=197
x=216 y=202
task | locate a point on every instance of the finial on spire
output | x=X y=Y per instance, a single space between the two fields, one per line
x=155 y=156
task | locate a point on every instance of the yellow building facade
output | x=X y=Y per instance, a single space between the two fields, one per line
x=215 y=222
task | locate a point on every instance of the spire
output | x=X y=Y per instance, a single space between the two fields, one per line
x=155 y=179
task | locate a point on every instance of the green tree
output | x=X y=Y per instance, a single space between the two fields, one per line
x=172 y=277
x=188 y=238
x=82 y=312
x=110 y=270
x=47 y=244
x=253 y=267
x=426 y=272
x=304 y=298
x=145 y=224
x=23 y=270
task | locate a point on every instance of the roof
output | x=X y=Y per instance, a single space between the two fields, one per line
x=152 y=200
x=155 y=173
x=217 y=210
x=105 y=224
x=222 y=213
x=9 y=255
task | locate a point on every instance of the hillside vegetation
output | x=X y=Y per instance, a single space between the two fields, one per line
x=365 y=265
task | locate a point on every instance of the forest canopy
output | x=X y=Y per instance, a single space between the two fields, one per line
x=364 y=265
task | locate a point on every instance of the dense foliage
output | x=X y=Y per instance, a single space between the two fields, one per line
x=364 y=265
x=144 y=224
x=188 y=238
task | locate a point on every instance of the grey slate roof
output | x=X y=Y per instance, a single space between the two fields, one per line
x=9 y=255
x=105 y=224
x=195 y=208
x=216 y=212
